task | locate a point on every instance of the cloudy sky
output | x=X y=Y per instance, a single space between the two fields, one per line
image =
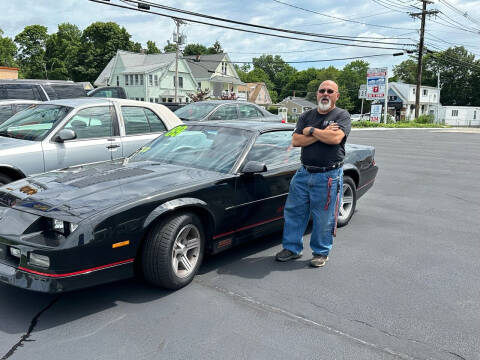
x=368 y=20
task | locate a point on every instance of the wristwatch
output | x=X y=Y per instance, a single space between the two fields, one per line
x=310 y=132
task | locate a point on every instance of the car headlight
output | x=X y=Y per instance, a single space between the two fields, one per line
x=63 y=227
x=39 y=260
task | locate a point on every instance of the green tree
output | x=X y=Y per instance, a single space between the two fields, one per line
x=8 y=51
x=278 y=71
x=62 y=50
x=100 y=42
x=152 y=48
x=195 y=49
x=170 y=47
x=216 y=48
x=31 y=51
x=350 y=78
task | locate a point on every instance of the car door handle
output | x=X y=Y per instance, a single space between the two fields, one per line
x=114 y=146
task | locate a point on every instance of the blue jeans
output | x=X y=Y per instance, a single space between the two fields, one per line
x=318 y=194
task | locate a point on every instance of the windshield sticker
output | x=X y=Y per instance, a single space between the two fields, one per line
x=176 y=131
x=144 y=149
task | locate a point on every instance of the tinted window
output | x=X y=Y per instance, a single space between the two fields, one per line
x=20 y=107
x=92 y=122
x=203 y=147
x=249 y=111
x=34 y=123
x=226 y=112
x=20 y=91
x=50 y=92
x=274 y=149
x=135 y=120
x=64 y=91
x=155 y=123
x=5 y=112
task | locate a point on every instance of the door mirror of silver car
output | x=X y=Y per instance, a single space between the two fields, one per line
x=253 y=167
x=64 y=135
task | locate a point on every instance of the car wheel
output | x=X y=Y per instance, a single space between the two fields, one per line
x=173 y=251
x=4 y=179
x=349 y=201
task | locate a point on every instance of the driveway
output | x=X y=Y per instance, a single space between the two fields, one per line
x=402 y=282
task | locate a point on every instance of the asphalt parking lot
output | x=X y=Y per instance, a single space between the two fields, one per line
x=402 y=282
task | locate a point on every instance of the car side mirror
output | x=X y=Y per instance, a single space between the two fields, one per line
x=253 y=167
x=64 y=135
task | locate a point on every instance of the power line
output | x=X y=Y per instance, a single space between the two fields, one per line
x=462 y=13
x=106 y=2
x=338 y=18
x=337 y=37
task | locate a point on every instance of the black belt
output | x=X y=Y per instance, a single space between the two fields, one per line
x=320 y=169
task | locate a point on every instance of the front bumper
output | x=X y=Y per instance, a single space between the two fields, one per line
x=57 y=283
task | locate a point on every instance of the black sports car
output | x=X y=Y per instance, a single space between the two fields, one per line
x=198 y=188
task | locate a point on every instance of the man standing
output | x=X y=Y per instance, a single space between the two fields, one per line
x=316 y=188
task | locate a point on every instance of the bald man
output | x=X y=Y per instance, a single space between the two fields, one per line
x=316 y=188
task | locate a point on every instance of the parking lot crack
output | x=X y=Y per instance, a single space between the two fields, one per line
x=25 y=337
x=260 y=305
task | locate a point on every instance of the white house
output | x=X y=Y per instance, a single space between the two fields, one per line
x=459 y=115
x=148 y=77
x=404 y=95
x=216 y=73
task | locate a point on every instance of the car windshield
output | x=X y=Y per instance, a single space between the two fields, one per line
x=195 y=111
x=35 y=122
x=203 y=147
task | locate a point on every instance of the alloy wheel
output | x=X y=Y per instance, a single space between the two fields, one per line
x=185 y=251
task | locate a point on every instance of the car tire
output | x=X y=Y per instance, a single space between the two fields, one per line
x=4 y=179
x=173 y=251
x=349 y=201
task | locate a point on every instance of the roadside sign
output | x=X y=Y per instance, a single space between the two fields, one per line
x=375 y=112
x=362 y=93
x=376 y=79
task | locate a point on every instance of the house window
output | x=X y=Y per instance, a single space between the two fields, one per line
x=126 y=80
x=155 y=77
x=434 y=97
x=294 y=110
x=150 y=80
x=199 y=85
x=224 y=68
x=141 y=79
x=425 y=92
x=454 y=113
x=474 y=114
x=142 y=99
x=151 y=99
x=136 y=79
x=170 y=99
x=413 y=90
x=118 y=80
x=131 y=79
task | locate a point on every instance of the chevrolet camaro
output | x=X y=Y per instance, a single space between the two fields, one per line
x=198 y=188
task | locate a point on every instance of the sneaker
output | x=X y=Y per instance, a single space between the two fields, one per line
x=286 y=255
x=318 y=260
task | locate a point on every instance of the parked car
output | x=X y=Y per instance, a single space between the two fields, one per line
x=61 y=133
x=41 y=90
x=45 y=90
x=10 y=107
x=360 y=117
x=199 y=188
x=224 y=110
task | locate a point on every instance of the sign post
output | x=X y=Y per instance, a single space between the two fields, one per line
x=377 y=86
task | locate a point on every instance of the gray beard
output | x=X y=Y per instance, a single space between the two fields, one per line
x=324 y=107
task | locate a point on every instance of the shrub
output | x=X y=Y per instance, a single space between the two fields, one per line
x=424 y=119
x=273 y=109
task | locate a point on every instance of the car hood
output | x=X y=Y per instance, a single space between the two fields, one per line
x=79 y=192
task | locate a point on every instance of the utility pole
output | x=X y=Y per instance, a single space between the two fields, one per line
x=420 y=50
x=177 y=52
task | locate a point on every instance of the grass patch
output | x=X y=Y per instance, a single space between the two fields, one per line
x=404 y=124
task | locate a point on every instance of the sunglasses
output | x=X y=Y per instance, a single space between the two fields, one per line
x=328 y=91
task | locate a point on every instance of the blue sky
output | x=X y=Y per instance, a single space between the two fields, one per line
x=442 y=31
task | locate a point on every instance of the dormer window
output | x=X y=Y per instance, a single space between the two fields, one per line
x=224 y=68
